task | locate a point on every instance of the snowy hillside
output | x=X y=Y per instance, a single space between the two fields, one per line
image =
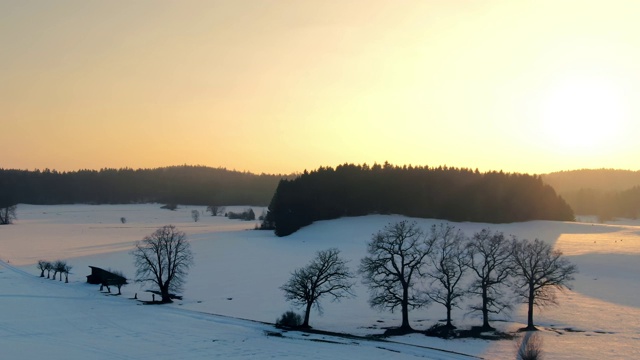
x=237 y=275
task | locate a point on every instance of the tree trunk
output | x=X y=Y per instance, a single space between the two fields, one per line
x=307 y=313
x=530 y=312
x=164 y=293
x=449 y=324
x=42 y=273
x=405 y=308
x=485 y=310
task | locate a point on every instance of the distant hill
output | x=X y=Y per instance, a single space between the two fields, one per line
x=597 y=179
x=607 y=193
x=192 y=185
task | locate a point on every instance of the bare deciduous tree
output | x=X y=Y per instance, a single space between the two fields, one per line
x=163 y=259
x=58 y=267
x=327 y=274
x=490 y=255
x=43 y=266
x=66 y=270
x=449 y=260
x=215 y=210
x=394 y=264
x=118 y=281
x=195 y=215
x=7 y=214
x=539 y=270
x=48 y=267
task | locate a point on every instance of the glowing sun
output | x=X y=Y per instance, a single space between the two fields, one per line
x=582 y=114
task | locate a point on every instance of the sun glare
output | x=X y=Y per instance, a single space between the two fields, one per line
x=582 y=115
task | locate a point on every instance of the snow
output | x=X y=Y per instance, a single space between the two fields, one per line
x=237 y=275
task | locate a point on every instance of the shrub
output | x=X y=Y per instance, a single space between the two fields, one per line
x=530 y=347
x=123 y=220
x=289 y=320
x=170 y=206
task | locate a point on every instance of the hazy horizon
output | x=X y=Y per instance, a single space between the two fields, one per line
x=302 y=170
x=278 y=87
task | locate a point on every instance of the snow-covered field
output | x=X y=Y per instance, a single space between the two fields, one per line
x=237 y=275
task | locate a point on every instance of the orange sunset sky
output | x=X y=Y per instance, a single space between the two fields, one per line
x=287 y=85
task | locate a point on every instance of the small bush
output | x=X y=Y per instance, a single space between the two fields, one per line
x=123 y=220
x=170 y=206
x=441 y=331
x=289 y=320
x=530 y=347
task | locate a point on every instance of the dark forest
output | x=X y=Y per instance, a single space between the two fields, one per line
x=455 y=194
x=193 y=185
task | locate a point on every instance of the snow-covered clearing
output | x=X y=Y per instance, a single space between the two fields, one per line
x=237 y=275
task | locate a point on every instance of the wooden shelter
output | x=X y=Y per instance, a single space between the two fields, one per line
x=103 y=277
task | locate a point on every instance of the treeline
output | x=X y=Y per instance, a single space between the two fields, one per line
x=606 y=180
x=607 y=205
x=192 y=185
x=606 y=193
x=455 y=194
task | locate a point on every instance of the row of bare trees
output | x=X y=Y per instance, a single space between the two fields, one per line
x=58 y=267
x=408 y=268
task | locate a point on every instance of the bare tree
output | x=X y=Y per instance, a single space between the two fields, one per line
x=58 y=267
x=195 y=215
x=327 y=274
x=163 y=259
x=539 y=270
x=43 y=266
x=48 y=266
x=118 y=281
x=394 y=264
x=449 y=261
x=490 y=255
x=7 y=214
x=66 y=271
x=215 y=210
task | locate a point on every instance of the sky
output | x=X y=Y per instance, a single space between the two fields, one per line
x=283 y=86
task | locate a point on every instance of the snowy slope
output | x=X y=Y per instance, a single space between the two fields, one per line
x=237 y=273
x=42 y=318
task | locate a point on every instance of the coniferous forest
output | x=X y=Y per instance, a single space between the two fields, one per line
x=193 y=185
x=455 y=194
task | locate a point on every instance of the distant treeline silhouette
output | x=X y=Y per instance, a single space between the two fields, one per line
x=607 y=193
x=192 y=185
x=455 y=194
x=606 y=180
